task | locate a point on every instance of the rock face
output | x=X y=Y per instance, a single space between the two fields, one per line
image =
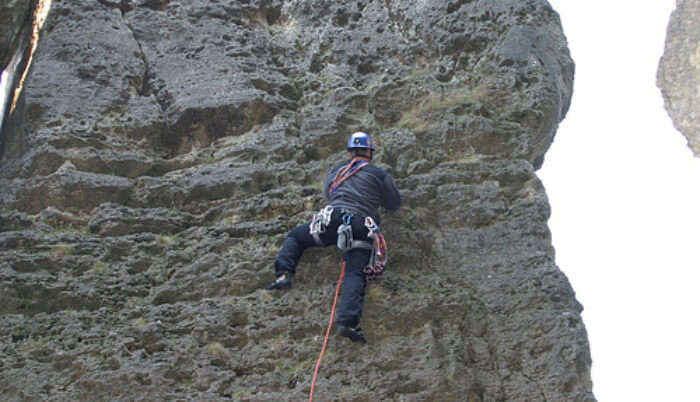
x=678 y=76
x=14 y=17
x=15 y=35
x=164 y=148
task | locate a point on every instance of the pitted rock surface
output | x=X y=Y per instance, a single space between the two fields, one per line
x=167 y=147
x=678 y=76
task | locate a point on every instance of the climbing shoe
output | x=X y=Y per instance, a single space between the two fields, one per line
x=354 y=334
x=283 y=281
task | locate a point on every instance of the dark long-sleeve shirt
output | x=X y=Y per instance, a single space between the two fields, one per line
x=364 y=192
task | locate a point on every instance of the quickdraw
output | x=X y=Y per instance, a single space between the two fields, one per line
x=344 y=173
x=319 y=223
x=380 y=256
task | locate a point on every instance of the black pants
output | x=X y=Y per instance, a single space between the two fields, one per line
x=354 y=283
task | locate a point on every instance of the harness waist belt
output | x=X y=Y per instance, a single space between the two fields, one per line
x=361 y=244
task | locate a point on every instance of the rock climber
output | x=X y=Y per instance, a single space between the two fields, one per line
x=356 y=189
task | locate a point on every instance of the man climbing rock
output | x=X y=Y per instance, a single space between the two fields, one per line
x=356 y=189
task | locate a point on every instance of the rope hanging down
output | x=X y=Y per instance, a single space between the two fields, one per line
x=328 y=331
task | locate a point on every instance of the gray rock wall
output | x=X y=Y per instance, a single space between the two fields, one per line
x=678 y=76
x=15 y=35
x=14 y=17
x=167 y=147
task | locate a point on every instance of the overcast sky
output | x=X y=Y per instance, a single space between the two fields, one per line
x=625 y=195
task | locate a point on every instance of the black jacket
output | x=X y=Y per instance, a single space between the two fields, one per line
x=364 y=192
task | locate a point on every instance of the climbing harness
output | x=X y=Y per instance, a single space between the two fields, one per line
x=346 y=242
x=380 y=256
x=328 y=331
x=346 y=172
x=319 y=223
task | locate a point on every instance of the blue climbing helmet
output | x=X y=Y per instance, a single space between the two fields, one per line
x=360 y=140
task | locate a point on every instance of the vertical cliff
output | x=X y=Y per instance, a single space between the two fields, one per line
x=15 y=36
x=162 y=150
x=15 y=16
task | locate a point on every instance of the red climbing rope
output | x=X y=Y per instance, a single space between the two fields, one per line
x=345 y=172
x=328 y=331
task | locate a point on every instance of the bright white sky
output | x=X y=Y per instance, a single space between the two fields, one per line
x=625 y=195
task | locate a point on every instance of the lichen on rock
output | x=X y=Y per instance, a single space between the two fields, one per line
x=166 y=148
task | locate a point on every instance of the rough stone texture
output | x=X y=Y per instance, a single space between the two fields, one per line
x=14 y=16
x=168 y=146
x=15 y=35
x=678 y=76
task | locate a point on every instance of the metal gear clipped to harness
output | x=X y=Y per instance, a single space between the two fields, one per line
x=319 y=223
x=380 y=256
